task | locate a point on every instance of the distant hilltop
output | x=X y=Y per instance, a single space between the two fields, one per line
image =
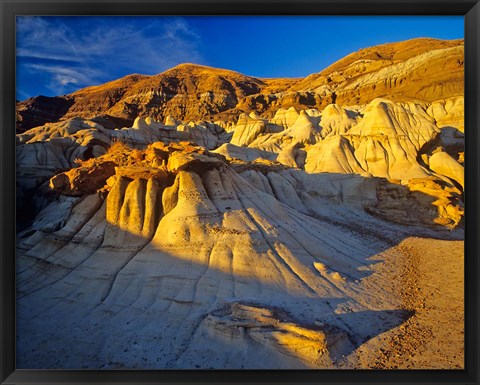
x=420 y=69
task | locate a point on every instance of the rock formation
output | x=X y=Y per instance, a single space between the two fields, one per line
x=248 y=241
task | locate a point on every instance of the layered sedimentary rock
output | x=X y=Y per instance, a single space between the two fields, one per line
x=47 y=149
x=397 y=141
x=425 y=69
x=399 y=70
x=40 y=110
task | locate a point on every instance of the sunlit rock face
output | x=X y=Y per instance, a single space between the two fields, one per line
x=250 y=241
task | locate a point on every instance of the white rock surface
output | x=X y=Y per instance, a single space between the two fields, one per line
x=248 y=128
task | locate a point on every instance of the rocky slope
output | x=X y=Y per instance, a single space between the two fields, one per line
x=273 y=237
x=400 y=142
x=419 y=69
x=180 y=249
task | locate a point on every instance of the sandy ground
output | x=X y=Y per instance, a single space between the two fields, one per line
x=428 y=277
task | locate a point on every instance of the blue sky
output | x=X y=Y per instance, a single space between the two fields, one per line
x=58 y=55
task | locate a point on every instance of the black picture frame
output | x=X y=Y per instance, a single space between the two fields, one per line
x=11 y=8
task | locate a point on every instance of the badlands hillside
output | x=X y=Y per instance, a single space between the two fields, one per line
x=420 y=69
x=201 y=218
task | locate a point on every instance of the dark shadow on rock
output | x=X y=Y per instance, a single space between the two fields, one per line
x=450 y=140
x=365 y=325
x=412 y=211
x=41 y=109
x=110 y=122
